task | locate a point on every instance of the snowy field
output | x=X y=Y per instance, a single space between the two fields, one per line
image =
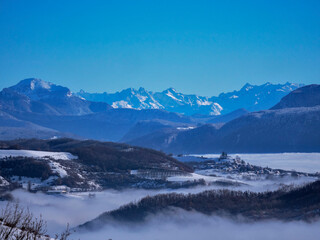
x=304 y=162
x=37 y=154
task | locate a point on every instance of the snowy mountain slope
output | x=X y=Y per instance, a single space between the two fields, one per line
x=86 y=164
x=254 y=97
x=169 y=100
x=37 y=96
x=187 y=104
x=128 y=98
x=250 y=97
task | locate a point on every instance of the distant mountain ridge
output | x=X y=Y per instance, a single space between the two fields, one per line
x=39 y=109
x=293 y=125
x=34 y=108
x=255 y=97
x=250 y=97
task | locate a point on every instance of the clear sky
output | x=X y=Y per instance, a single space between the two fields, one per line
x=202 y=47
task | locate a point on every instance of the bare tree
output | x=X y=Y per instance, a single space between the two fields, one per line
x=17 y=223
x=64 y=235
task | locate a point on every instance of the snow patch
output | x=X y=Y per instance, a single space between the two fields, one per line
x=32 y=85
x=204 y=102
x=37 y=154
x=155 y=105
x=169 y=94
x=218 y=106
x=3 y=182
x=141 y=98
x=58 y=168
x=185 y=128
x=121 y=104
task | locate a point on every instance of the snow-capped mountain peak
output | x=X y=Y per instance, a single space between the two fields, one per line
x=32 y=84
x=171 y=89
x=38 y=83
x=247 y=87
x=254 y=97
x=37 y=89
x=251 y=97
x=36 y=95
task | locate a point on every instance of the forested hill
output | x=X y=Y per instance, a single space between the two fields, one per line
x=106 y=156
x=302 y=203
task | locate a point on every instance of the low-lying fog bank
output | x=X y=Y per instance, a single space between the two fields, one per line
x=190 y=226
x=78 y=208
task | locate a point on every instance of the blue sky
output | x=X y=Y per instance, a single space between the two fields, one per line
x=202 y=47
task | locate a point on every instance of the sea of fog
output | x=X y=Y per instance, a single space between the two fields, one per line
x=304 y=162
x=191 y=226
x=78 y=208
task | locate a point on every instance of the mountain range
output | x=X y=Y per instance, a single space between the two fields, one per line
x=291 y=125
x=250 y=97
x=37 y=109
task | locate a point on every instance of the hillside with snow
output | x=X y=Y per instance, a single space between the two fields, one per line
x=36 y=154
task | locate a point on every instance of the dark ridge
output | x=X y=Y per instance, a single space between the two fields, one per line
x=107 y=156
x=291 y=126
x=290 y=203
x=308 y=96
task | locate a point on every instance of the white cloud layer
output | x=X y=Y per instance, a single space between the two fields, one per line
x=78 y=208
x=191 y=226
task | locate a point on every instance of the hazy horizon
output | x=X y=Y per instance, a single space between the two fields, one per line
x=75 y=90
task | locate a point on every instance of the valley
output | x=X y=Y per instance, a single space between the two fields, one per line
x=129 y=167
x=159 y=120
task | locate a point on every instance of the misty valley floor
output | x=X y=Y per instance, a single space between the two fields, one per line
x=78 y=208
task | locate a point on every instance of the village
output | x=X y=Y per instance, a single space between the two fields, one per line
x=237 y=168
